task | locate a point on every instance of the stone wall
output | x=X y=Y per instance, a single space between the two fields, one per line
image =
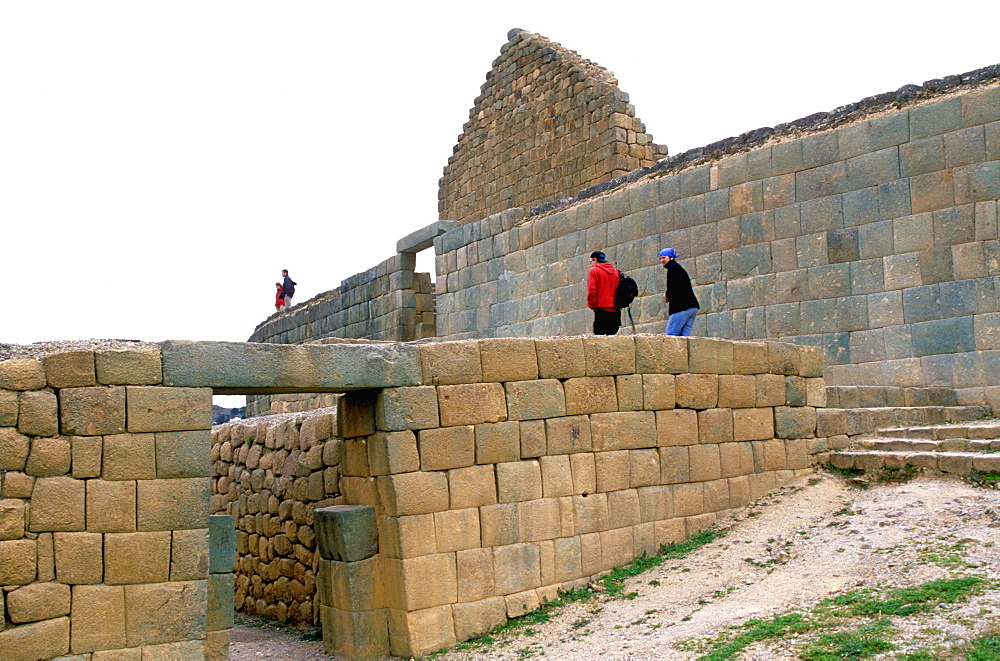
x=871 y=233
x=547 y=124
x=104 y=523
x=270 y=474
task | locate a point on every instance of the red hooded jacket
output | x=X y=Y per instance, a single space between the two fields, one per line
x=601 y=286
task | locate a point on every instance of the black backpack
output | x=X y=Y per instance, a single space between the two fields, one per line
x=626 y=291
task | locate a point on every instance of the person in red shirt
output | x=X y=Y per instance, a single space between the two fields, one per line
x=602 y=282
x=279 y=300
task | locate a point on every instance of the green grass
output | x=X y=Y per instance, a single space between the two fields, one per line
x=904 y=601
x=756 y=630
x=614 y=582
x=898 y=475
x=862 y=643
x=985 y=649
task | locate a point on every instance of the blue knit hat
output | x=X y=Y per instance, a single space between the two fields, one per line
x=668 y=252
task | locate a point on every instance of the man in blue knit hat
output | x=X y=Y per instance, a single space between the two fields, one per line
x=683 y=304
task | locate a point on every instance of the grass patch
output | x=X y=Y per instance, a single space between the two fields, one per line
x=756 y=630
x=904 y=601
x=614 y=582
x=898 y=475
x=984 y=479
x=866 y=641
x=985 y=649
x=844 y=472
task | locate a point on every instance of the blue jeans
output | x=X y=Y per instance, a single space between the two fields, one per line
x=680 y=323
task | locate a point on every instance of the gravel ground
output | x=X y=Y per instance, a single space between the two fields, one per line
x=42 y=349
x=808 y=541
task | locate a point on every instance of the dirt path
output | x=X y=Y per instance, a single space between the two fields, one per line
x=806 y=542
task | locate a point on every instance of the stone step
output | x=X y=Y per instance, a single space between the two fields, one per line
x=954 y=463
x=988 y=429
x=851 y=397
x=923 y=445
x=855 y=422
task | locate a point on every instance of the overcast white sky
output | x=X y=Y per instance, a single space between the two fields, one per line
x=160 y=162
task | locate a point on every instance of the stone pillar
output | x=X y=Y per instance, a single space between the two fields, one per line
x=221 y=587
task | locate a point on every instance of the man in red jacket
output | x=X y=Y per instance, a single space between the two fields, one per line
x=602 y=282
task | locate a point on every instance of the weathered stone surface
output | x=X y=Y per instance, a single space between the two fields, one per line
x=450 y=363
x=354 y=634
x=165 y=612
x=594 y=394
x=57 y=504
x=447 y=447
x=398 y=409
x=474 y=486
x=519 y=481
x=472 y=403
x=219 y=615
x=609 y=355
x=560 y=358
x=14 y=449
x=413 y=493
x=79 y=557
x=37 y=413
x=70 y=369
x=478 y=617
x=38 y=601
x=696 y=391
x=92 y=411
x=416 y=633
x=47 y=639
x=243 y=367
x=110 y=506
x=183 y=454
x=22 y=374
x=190 y=555
x=508 y=359
x=137 y=557
x=178 y=504
x=49 y=457
x=661 y=354
x=8 y=408
x=13 y=518
x=498 y=442
x=347 y=533
x=532 y=400
x=155 y=408
x=98 y=618
x=623 y=430
x=134 y=368
x=393 y=452
x=18 y=561
x=85 y=452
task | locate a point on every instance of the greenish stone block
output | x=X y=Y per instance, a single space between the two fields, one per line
x=983 y=182
x=695 y=181
x=943 y=336
x=898 y=342
x=645 y=195
x=954 y=225
x=958 y=298
x=708 y=268
x=754 y=323
x=794 y=421
x=922 y=156
x=860 y=207
x=992 y=131
x=783 y=255
x=912 y=233
x=787 y=222
x=690 y=211
x=819 y=182
x=791 y=285
x=936 y=118
x=969 y=370
x=867 y=346
x=782 y=319
x=965 y=147
x=740 y=293
x=921 y=303
x=842 y=245
x=787 y=157
x=184 y=454
x=719 y=324
x=820 y=149
x=670 y=188
x=875 y=239
x=759 y=164
x=838 y=348
x=852 y=313
x=795 y=391
x=221 y=595
x=867 y=276
x=756 y=228
x=616 y=205
x=346 y=532
x=716 y=205
x=821 y=215
x=778 y=191
x=873 y=169
x=221 y=544
x=732 y=170
x=936 y=266
x=829 y=281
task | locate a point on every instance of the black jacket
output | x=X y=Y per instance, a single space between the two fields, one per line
x=679 y=293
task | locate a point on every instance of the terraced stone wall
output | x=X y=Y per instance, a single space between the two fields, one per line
x=104 y=522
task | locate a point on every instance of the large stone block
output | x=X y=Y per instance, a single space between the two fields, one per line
x=183 y=454
x=414 y=493
x=471 y=403
x=155 y=408
x=14 y=449
x=85 y=453
x=457 y=530
x=347 y=533
x=508 y=359
x=624 y=430
x=110 y=506
x=770 y=390
x=417 y=633
x=137 y=557
x=354 y=634
x=22 y=374
x=540 y=520
x=8 y=408
x=658 y=392
x=794 y=421
x=57 y=504
x=661 y=354
x=47 y=639
x=422 y=582
x=406 y=536
x=568 y=435
x=753 y=424
x=13 y=518
x=613 y=470
x=398 y=409
x=93 y=411
x=37 y=413
x=533 y=400
x=500 y=524
x=590 y=395
x=498 y=442
x=18 y=561
x=129 y=457
x=478 y=617
x=79 y=557
x=676 y=427
x=49 y=457
x=446 y=363
x=393 y=452
x=697 y=391
x=715 y=425
x=518 y=481
x=189 y=552
x=221 y=591
x=472 y=486
x=165 y=612
x=609 y=355
x=177 y=504
x=134 y=368
x=560 y=358
x=557 y=476
x=98 y=618
x=475 y=574
x=705 y=463
x=710 y=355
x=737 y=390
x=447 y=447
x=70 y=369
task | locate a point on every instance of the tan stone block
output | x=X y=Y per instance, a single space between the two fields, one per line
x=783 y=358
x=675 y=465
x=656 y=503
x=70 y=369
x=22 y=374
x=93 y=411
x=629 y=388
x=8 y=408
x=111 y=506
x=617 y=547
x=625 y=430
x=57 y=503
x=421 y=582
x=560 y=358
x=519 y=480
x=584 y=471
x=810 y=361
x=644 y=536
x=590 y=395
x=38 y=601
x=500 y=524
x=14 y=449
x=189 y=555
x=129 y=457
x=773 y=457
x=349 y=586
x=644 y=467
x=185 y=454
x=471 y=403
x=393 y=452
x=498 y=442
x=695 y=524
x=658 y=392
x=532 y=433
x=508 y=359
x=16 y=485
x=165 y=612
x=457 y=530
x=707 y=355
x=45 y=551
x=184 y=649
x=661 y=354
x=739 y=491
x=591 y=556
x=696 y=391
x=355 y=458
x=135 y=368
x=609 y=355
x=717 y=495
x=705 y=463
x=445 y=363
x=137 y=557
x=516 y=568
x=676 y=427
x=732 y=458
x=446 y=447
x=568 y=435
x=399 y=409
x=671 y=531
x=715 y=426
x=98 y=618
x=521 y=603
x=85 y=452
x=770 y=390
x=472 y=486
x=816 y=392
x=407 y=536
x=539 y=519
x=417 y=633
x=18 y=561
x=153 y=408
x=535 y=400
x=37 y=413
x=13 y=518
x=590 y=513
x=755 y=424
x=567 y=516
x=475 y=574
x=79 y=557
x=797 y=453
x=613 y=470
x=737 y=391
x=557 y=476
x=350 y=634
x=179 y=504
x=749 y=357
x=568 y=567
x=623 y=508
x=478 y=617
x=49 y=457
x=689 y=499
x=47 y=639
x=413 y=493
x=217 y=643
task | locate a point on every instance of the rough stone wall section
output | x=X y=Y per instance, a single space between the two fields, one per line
x=547 y=124
x=876 y=240
x=270 y=474
x=104 y=526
